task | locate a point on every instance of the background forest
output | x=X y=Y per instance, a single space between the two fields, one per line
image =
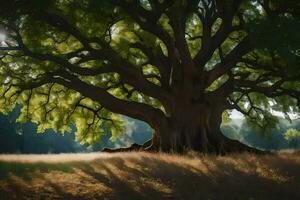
x=23 y=137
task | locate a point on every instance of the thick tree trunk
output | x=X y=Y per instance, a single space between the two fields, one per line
x=197 y=137
x=191 y=129
x=197 y=131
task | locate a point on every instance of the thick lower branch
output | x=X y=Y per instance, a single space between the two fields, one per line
x=135 y=110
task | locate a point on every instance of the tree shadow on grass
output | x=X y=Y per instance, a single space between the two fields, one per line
x=16 y=178
x=149 y=177
x=263 y=178
x=24 y=170
x=126 y=181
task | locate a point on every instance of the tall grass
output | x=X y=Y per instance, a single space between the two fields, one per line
x=139 y=175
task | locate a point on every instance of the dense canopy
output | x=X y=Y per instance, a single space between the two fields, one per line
x=176 y=64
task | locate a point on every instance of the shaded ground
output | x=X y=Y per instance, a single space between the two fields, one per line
x=150 y=176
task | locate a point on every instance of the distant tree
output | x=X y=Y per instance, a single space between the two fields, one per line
x=293 y=137
x=175 y=64
x=9 y=139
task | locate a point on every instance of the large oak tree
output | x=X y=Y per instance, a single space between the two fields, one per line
x=176 y=64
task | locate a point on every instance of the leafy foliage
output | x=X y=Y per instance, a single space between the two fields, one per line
x=84 y=62
x=292 y=136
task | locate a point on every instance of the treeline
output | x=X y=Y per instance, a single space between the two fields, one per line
x=275 y=139
x=23 y=138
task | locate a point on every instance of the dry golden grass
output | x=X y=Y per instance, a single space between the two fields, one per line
x=139 y=175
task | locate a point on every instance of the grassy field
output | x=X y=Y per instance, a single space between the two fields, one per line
x=139 y=175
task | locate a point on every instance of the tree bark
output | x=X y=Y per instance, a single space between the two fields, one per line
x=192 y=131
x=198 y=136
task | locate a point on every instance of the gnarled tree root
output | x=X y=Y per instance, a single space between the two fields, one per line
x=229 y=146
